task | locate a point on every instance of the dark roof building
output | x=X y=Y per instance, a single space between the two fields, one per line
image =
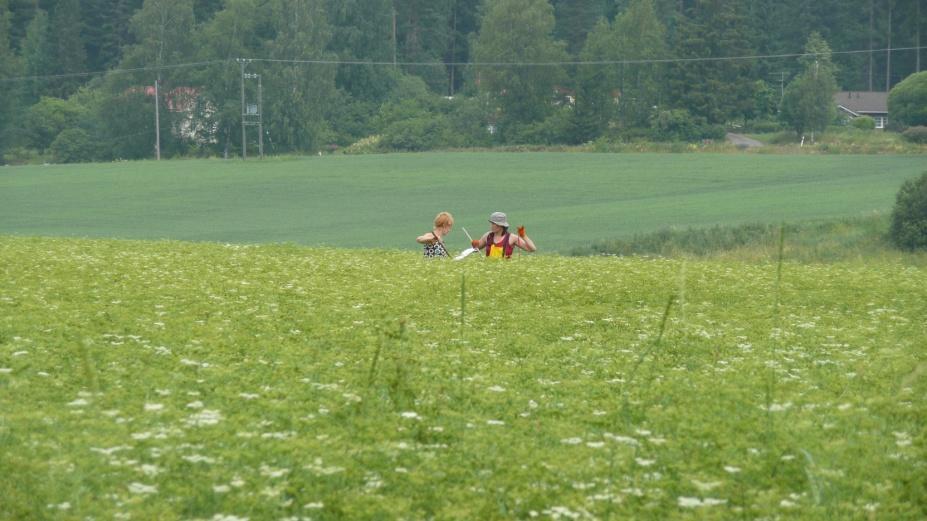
x=872 y=104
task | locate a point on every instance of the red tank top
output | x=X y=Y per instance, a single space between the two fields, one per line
x=499 y=250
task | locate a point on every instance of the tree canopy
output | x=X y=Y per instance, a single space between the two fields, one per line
x=478 y=72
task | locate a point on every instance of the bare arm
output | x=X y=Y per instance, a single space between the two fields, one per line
x=481 y=242
x=525 y=243
x=428 y=238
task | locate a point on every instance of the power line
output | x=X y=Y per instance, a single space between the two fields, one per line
x=462 y=64
x=111 y=71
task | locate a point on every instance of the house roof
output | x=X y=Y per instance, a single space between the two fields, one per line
x=863 y=102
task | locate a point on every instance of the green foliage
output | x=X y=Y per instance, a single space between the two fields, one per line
x=197 y=380
x=863 y=123
x=575 y=20
x=555 y=128
x=519 y=31
x=916 y=134
x=907 y=101
x=909 y=216
x=46 y=119
x=38 y=57
x=69 y=54
x=127 y=125
x=813 y=241
x=680 y=125
x=807 y=105
x=639 y=36
x=414 y=134
x=73 y=145
x=718 y=91
x=21 y=156
x=8 y=67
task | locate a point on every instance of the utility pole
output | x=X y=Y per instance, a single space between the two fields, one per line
x=251 y=113
x=157 y=123
x=871 y=34
x=394 y=35
x=244 y=144
x=260 y=118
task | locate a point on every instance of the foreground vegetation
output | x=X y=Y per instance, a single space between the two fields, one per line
x=173 y=380
x=385 y=201
x=848 y=239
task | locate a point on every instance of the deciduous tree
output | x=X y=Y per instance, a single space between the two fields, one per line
x=519 y=33
x=808 y=103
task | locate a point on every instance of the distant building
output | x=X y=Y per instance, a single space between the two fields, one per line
x=872 y=104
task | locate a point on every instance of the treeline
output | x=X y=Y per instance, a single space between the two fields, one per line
x=78 y=77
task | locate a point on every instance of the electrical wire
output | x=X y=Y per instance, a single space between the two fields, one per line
x=456 y=64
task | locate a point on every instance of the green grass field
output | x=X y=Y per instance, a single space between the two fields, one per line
x=384 y=201
x=172 y=380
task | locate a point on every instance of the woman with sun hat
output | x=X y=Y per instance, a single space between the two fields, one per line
x=498 y=242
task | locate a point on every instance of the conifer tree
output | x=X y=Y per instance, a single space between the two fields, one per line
x=70 y=55
x=37 y=57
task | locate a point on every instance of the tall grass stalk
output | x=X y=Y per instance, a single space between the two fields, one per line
x=463 y=302
x=645 y=353
x=682 y=291
x=777 y=333
x=90 y=376
x=779 y=269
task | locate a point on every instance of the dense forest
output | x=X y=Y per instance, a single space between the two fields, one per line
x=88 y=79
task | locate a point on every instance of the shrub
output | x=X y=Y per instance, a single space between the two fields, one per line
x=907 y=102
x=909 y=217
x=674 y=125
x=46 y=119
x=416 y=134
x=73 y=145
x=916 y=135
x=22 y=156
x=763 y=126
x=863 y=123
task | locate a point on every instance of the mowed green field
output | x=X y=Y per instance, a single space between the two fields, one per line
x=171 y=380
x=385 y=201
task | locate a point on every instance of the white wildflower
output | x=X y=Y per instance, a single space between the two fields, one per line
x=199 y=458
x=705 y=486
x=141 y=488
x=272 y=472
x=204 y=417
x=153 y=407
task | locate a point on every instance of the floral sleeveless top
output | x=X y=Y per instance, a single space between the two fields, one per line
x=435 y=250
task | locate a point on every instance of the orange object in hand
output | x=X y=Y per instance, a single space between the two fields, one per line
x=521 y=232
x=475 y=243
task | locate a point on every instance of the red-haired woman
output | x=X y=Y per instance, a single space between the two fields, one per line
x=434 y=245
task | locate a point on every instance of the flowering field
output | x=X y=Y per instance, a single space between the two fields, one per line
x=169 y=380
